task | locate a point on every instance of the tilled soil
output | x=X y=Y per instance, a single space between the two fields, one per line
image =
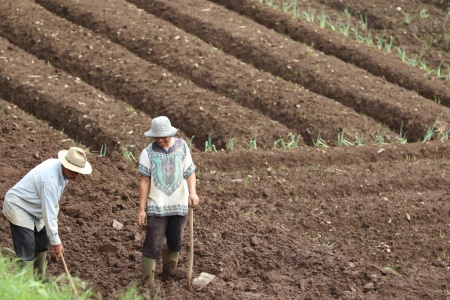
x=281 y=216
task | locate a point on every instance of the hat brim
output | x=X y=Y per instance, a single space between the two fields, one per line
x=171 y=132
x=62 y=158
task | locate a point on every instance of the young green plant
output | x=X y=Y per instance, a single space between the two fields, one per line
x=320 y=142
x=429 y=134
x=252 y=144
x=341 y=141
x=209 y=146
x=293 y=143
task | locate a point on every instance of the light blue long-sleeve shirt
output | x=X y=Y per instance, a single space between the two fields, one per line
x=34 y=200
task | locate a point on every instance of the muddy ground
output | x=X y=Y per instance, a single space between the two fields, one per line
x=329 y=179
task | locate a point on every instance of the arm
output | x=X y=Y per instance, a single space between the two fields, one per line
x=144 y=189
x=50 y=196
x=193 y=198
x=189 y=174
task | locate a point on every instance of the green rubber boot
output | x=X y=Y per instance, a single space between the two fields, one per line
x=40 y=260
x=170 y=262
x=148 y=271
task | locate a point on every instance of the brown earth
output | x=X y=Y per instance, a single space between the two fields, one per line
x=308 y=222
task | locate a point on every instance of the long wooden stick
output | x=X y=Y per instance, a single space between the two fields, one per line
x=191 y=246
x=68 y=275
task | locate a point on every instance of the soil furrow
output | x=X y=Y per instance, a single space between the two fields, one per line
x=187 y=56
x=366 y=222
x=395 y=21
x=345 y=48
x=68 y=104
x=118 y=72
x=332 y=219
x=363 y=210
x=309 y=156
x=298 y=63
x=94 y=227
x=442 y=4
x=23 y=132
x=264 y=240
x=366 y=179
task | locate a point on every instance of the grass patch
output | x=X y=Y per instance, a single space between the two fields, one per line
x=17 y=283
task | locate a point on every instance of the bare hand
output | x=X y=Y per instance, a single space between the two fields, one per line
x=141 y=216
x=58 y=249
x=193 y=200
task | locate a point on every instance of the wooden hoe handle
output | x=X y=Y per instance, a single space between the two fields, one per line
x=191 y=246
x=68 y=275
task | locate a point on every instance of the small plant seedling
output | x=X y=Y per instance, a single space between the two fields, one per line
x=402 y=136
x=329 y=244
x=190 y=142
x=444 y=134
x=230 y=144
x=320 y=142
x=380 y=139
x=310 y=15
x=292 y=6
x=401 y=53
x=102 y=152
x=305 y=201
x=347 y=14
x=359 y=140
x=441 y=257
x=408 y=18
x=411 y=159
x=293 y=143
x=253 y=145
x=390 y=269
x=246 y=181
x=209 y=146
x=130 y=108
x=364 y=24
x=129 y=155
x=388 y=47
x=423 y=14
x=341 y=141
x=429 y=134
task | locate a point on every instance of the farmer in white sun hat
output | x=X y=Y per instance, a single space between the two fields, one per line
x=32 y=206
x=167 y=188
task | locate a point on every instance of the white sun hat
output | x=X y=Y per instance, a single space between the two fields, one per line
x=75 y=160
x=161 y=127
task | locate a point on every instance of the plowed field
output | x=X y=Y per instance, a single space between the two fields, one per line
x=321 y=156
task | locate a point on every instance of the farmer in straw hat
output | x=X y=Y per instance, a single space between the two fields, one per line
x=33 y=205
x=167 y=187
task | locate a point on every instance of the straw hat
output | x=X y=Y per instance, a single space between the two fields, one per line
x=161 y=127
x=75 y=160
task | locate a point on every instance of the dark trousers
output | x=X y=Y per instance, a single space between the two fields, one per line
x=28 y=242
x=158 y=228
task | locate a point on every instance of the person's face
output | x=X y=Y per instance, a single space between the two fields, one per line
x=163 y=142
x=68 y=174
